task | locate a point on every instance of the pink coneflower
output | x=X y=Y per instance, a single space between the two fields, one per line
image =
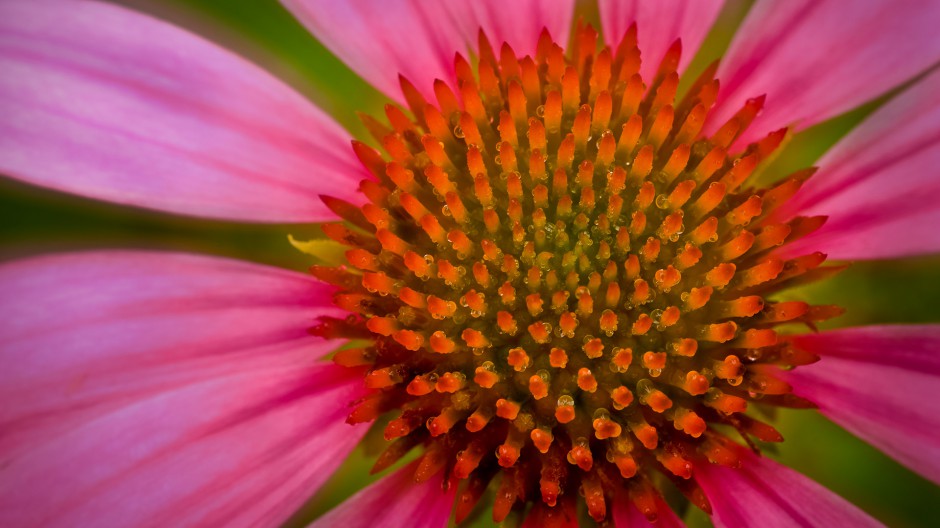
x=560 y=276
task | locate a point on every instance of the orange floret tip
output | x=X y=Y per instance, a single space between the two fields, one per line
x=561 y=273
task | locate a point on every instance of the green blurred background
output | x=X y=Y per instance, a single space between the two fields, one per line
x=34 y=220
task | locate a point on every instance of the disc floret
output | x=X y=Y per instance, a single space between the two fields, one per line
x=563 y=281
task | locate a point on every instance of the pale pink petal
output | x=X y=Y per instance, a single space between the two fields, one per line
x=381 y=39
x=394 y=501
x=164 y=389
x=815 y=59
x=880 y=185
x=659 y=24
x=626 y=515
x=879 y=383
x=105 y=102
x=765 y=494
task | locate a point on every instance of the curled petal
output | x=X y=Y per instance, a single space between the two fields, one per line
x=170 y=389
x=105 y=102
x=873 y=381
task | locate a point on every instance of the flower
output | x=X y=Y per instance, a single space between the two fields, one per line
x=171 y=389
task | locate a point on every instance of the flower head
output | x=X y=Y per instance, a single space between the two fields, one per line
x=582 y=302
x=561 y=274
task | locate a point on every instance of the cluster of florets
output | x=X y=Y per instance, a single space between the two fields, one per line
x=565 y=282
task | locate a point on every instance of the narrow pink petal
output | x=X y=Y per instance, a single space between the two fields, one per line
x=659 y=24
x=518 y=23
x=879 y=185
x=394 y=501
x=765 y=494
x=109 y=103
x=626 y=515
x=879 y=383
x=165 y=389
x=381 y=40
x=815 y=59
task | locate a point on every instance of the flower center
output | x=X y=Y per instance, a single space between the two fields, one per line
x=565 y=282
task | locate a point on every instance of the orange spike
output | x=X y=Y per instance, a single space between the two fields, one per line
x=742 y=306
x=622 y=397
x=669 y=317
x=681 y=194
x=740 y=171
x=450 y=382
x=409 y=339
x=656 y=400
x=538 y=386
x=707 y=231
x=441 y=344
x=720 y=275
x=478 y=420
x=552 y=112
x=642 y=325
x=736 y=246
x=666 y=278
x=688 y=257
x=541 y=332
x=692 y=125
x=531 y=83
x=474 y=338
x=564 y=410
x=594 y=348
x=698 y=297
x=661 y=126
x=756 y=338
x=695 y=383
x=646 y=434
x=507 y=409
x=632 y=95
x=760 y=273
x=542 y=439
x=456 y=207
x=382 y=378
x=686 y=347
x=435 y=151
x=642 y=163
x=710 y=163
x=558 y=358
x=518 y=359
x=677 y=162
x=608 y=321
x=603 y=107
x=719 y=333
x=420 y=386
x=580 y=455
x=605 y=428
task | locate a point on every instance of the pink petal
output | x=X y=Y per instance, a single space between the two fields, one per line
x=765 y=494
x=380 y=40
x=626 y=515
x=879 y=185
x=164 y=389
x=659 y=24
x=394 y=501
x=816 y=59
x=109 y=103
x=879 y=383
